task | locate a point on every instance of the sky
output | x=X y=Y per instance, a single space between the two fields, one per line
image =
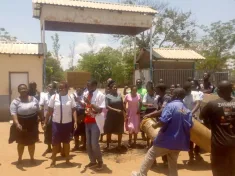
x=16 y=18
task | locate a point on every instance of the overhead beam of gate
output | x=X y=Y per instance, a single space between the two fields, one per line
x=92 y=17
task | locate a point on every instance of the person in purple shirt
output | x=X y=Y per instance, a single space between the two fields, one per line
x=173 y=137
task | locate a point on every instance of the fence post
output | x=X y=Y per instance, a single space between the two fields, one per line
x=194 y=69
x=151 y=54
x=134 y=60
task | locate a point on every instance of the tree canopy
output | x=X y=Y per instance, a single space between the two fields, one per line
x=106 y=63
x=56 y=46
x=217 y=45
x=54 y=72
x=171 y=27
x=6 y=37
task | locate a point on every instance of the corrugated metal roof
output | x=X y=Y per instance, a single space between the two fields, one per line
x=94 y=5
x=176 y=54
x=21 y=48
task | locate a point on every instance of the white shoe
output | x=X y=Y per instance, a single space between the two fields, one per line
x=134 y=173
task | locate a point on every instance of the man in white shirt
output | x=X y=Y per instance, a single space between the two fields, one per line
x=94 y=102
x=192 y=101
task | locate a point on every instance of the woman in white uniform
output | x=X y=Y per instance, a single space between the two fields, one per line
x=63 y=108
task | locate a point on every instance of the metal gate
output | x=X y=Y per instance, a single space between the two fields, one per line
x=216 y=77
x=172 y=76
x=180 y=76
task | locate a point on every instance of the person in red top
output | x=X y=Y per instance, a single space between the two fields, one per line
x=94 y=102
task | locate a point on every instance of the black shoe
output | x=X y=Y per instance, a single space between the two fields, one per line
x=100 y=166
x=90 y=165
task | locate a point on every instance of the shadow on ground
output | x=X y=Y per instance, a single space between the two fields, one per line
x=105 y=170
x=195 y=166
x=65 y=165
x=26 y=163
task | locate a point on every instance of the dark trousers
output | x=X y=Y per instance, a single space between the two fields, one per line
x=223 y=161
x=193 y=150
x=164 y=159
x=38 y=131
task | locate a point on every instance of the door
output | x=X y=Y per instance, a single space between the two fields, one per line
x=15 y=80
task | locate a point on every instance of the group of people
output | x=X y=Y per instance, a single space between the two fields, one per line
x=176 y=121
x=90 y=114
x=58 y=112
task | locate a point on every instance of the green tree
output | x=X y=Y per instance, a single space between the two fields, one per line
x=170 y=28
x=99 y=64
x=54 y=72
x=217 y=45
x=128 y=60
x=106 y=63
x=174 y=28
x=6 y=37
x=211 y=64
x=56 y=46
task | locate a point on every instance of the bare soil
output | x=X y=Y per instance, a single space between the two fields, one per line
x=116 y=163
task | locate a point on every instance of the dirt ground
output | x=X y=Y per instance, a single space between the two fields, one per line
x=116 y=164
